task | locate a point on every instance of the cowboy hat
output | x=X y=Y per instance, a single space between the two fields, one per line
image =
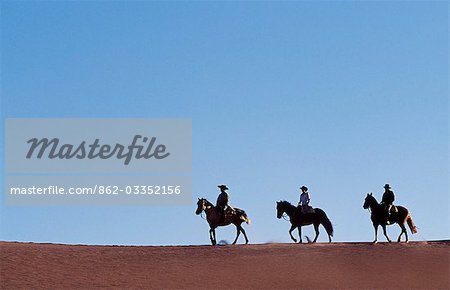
x=222 y=186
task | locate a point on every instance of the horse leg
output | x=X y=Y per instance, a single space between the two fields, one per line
x=316 y=228
x=238 y=232
x=300 y=234
x=403 y=231
x=245 y=235
x=400 y=236
x=215 y=240
x=376 y=234
x=290 y=233
x=406 y=233
x=385 y=233
x=211 y=236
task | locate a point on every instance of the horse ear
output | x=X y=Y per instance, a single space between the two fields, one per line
x=370 y=194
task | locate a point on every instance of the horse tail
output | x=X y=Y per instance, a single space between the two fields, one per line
x=411 y=224
x=325 y=222
x=240 y=213
x=245 y=218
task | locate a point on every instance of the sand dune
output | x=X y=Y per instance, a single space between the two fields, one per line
x=338 y=265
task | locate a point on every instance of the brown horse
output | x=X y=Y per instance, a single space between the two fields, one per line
x=298 y=219
x=379 y=217
x=214 y=219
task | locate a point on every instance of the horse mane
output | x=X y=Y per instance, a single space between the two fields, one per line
x=372 y=197
x=208 y=203
x=286 y=203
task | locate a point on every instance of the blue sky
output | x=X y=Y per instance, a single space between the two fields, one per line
x=340 y=96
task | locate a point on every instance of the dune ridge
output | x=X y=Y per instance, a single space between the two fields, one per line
x=419 y=265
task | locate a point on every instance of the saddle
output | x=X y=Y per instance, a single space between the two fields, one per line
x=229 y=215
x=393 y=208
x=306 y=209
x=392 y=211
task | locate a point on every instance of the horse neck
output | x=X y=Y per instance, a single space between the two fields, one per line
x=208 y=203
x=208 y=206
x=373 y=204
x=289 y=209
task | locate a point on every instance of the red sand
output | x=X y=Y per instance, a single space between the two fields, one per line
x=337 y=265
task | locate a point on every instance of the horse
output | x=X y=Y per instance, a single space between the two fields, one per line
x=299 y=219
x=214 y=219
x=378 y=216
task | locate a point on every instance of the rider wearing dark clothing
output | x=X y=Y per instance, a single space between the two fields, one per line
x=223 y=203
x=388 y=199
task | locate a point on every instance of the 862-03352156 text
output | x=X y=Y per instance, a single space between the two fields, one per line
x=99 y=190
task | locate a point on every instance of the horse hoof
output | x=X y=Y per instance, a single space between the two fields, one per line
x=374 y=242
x=389 y=241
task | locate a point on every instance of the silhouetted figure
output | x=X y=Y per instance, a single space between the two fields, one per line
x=298 y=219
x=223 y=202
x=378 y=217
x=388 y=200
x=215 y=220
x=304 y=200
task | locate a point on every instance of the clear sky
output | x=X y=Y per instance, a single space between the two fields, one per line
x=340 y=96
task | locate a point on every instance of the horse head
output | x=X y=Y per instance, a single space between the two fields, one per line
x=281 y=208
x=201 y=206
x=369 y=201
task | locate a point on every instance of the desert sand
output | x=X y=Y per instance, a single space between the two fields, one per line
x=422 y=265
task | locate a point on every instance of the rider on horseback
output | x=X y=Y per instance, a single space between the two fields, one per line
x=388 y=200
x=303 y=204
x=223 y=202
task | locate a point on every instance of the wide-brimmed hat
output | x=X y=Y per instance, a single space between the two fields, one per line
x=387 y=186
x=222 y=186
x=304 y=187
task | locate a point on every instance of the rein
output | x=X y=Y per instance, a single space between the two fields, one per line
x=204 y=211
x=285 y=209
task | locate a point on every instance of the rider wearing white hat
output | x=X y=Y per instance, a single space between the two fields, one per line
x=304 y=199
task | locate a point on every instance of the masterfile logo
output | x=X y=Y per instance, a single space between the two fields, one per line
x=54 y=149
x=98 y=145
x=98 y=161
